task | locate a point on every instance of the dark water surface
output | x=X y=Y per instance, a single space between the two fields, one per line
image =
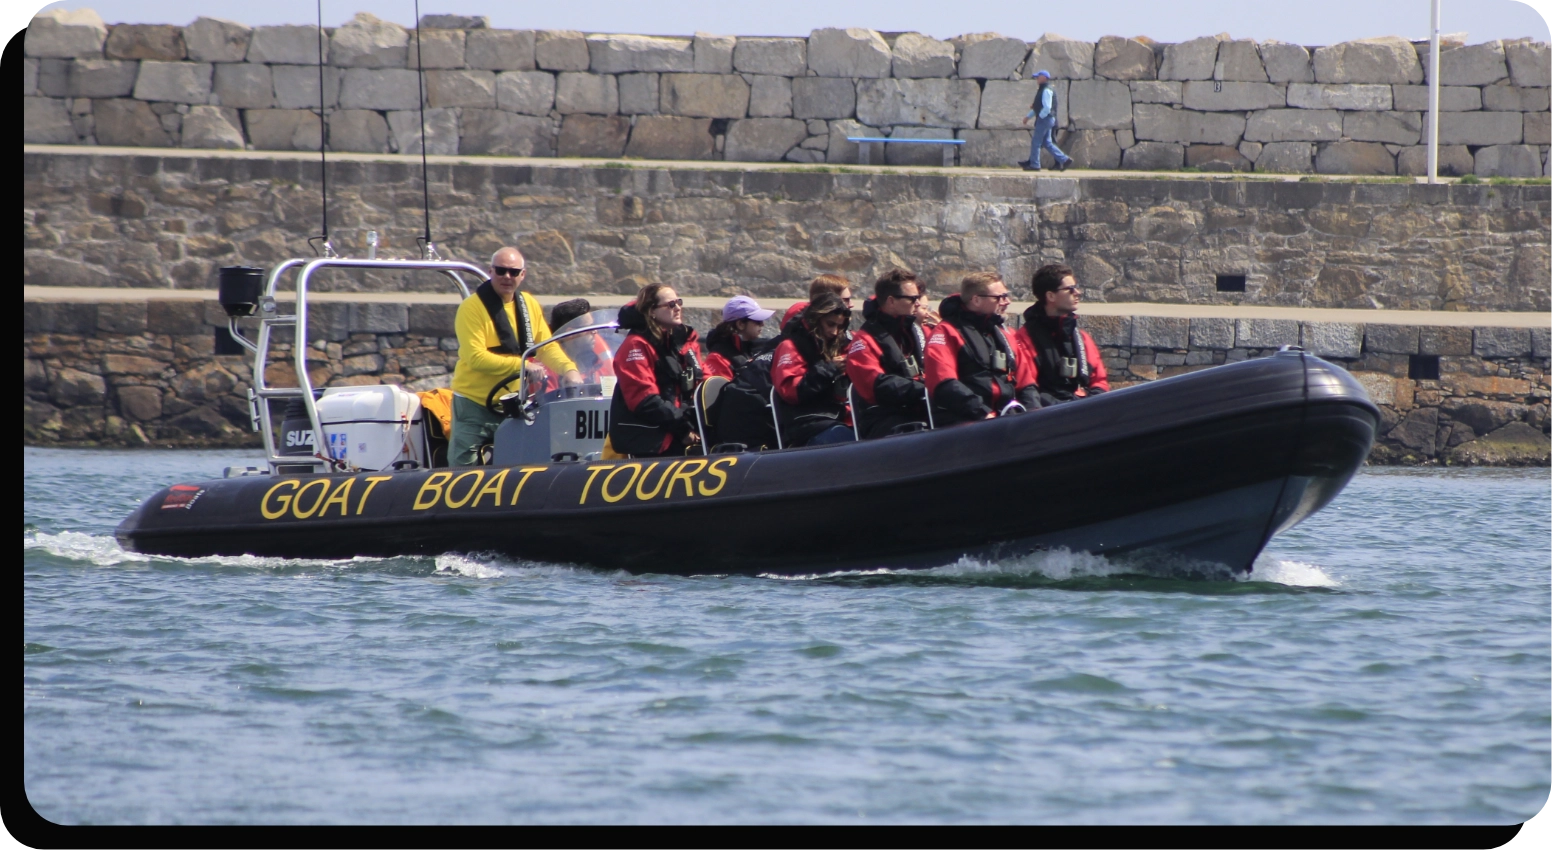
x=1387 y=662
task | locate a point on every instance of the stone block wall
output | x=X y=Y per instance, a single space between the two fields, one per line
x=1212 y=103
x=146 y=372
x=106 y=219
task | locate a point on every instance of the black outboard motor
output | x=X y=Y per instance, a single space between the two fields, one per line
x=296 y=435
x=240 y=289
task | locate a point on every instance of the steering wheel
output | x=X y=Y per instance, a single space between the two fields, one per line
x=492 y=402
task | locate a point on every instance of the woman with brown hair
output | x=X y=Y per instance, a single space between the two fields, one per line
x=809 y=373
x=657 y=369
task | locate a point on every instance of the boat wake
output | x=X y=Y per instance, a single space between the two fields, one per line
x=1057 y=566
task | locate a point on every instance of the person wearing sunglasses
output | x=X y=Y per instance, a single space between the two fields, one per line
x=1067 y=362
x=731 y=345
x=495 y=326
x=973 y=370
x=885 y=357
x=809 y=373
x=657 y=369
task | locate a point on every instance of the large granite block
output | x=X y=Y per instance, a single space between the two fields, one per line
x=46 y=121
x=561 y=50
x=1117 y=58
x=1108 y=331
x=671 y=137
x=1530 y=63
x=1190 y=60
x=493 y=131
x=379 y=88
x=1508 y=161
x=1471 y=65
x=244 y=85
x=618 y=54
x=1454 y=161
x=1155 y=91
x=461 y=88
x=1215 y=334
x=367 y=41
x=594 y=135
x=1265 y=333
x=1481 y=128
x=991 y=56
x=1217 y=158
x=432 y=319
x=296 y=86
x=991 y=147
x=763 y=139
x=1388 y=59
x=930 y=103
x=1286 y=158
x=705 y=95
x=379 y=318
x=1397 y=128
x=282 y=129
x=1332 y=339
x=1153 y=156
x=515 y=50
x=1065 y=58
x=1345 y=96
x=1444 y=341
x=1513 y=99
x=714 y=53
x=1355 y=158
x=217 y=40
x=840 y=150
x=1538 y=128
x=62 y=34
x=848 y=52
x=1501 y=342
x=1294 y=125
x=173 y=82
x=1239 y=60
x=1390 y=339
x=1451 y=98
x=1160 y=332
x=1004 y=103
x=287 y=45
x=212 y=128
x=1159 y=123
x=1088 y=148
x=771 y=97
x=179 y=318
x=785 y=57
x=99 y=78
x=823 y=97
x=441 y=131
x=596 y=94
x=919 y=56
x=130 y=123
x=639 y=93
x=1100 y=105
x=527 y=92
x=360 y=130
x=162 y=42
x=436 y=48
x=1232 y=97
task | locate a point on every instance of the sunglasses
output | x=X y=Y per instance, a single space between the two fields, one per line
x=498 y=271
x=911 y=298
x=676 y=303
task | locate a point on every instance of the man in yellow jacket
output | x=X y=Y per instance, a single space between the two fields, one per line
x=495 y=326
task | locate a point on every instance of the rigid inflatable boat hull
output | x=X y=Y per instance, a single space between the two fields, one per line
x=1203 y=467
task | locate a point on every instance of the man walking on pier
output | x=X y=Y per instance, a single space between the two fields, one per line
x=1043 y=110
x=495 y=326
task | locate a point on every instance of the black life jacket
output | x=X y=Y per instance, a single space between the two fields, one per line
x=823 y=408
x=725 y=341
x=742 y=413
x=632 y=433
x=984 y=337
x=904 y=361
x=511 y=342
x=1055 y=101
x=1056 y=338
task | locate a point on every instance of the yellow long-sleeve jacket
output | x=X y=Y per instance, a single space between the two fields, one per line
x=478 y=367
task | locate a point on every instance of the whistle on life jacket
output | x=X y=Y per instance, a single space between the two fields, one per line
x=691 y=374
x=1069 y=367
x=1000 y=361
x=912 y=368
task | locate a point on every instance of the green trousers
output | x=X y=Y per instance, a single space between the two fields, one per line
x=473 y=426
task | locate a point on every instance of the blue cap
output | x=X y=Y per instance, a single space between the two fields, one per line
x=1043 y=73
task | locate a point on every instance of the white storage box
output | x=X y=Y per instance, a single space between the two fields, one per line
x=370 y=428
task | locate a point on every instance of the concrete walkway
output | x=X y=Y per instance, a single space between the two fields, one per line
x=696 y=165
x=1189 y=311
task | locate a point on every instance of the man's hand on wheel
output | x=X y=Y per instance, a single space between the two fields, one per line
x=571 y=378
x=536 y=376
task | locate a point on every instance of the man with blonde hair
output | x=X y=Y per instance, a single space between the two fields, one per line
x=973 y=370
x=824 y=283
x=495 y=326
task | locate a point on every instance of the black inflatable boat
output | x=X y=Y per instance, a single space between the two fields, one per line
x=1204 y=467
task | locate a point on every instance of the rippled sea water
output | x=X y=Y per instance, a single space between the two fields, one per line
x=1387 y=662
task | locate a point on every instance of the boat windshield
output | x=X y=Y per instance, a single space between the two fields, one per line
x=592 y=351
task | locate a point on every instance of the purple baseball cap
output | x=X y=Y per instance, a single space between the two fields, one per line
x=744 y=307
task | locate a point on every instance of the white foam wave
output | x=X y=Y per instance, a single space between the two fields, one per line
x=1291 y=573
x=468 y=567
x=104 y=551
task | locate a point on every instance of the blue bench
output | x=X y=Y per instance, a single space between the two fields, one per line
x=865 y=145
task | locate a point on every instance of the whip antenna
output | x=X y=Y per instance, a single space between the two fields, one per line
x=323 y=146
x=428 y=248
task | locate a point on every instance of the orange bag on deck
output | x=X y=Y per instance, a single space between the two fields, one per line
x=439 y=403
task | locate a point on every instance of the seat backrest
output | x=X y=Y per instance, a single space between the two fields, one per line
x=927 y=400
x=776 y=420
x=705 y=396
x=851 y=404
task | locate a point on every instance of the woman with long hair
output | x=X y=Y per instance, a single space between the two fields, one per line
x=657 y=369
x=809 y=373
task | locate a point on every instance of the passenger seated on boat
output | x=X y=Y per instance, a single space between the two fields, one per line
x=657 y=369
x=885 y=357
x=731 y=345
x=835 y=283
x=1067 y=362
x=495 y=326
x=809 y=373
x=973 y=371
x=588 y=351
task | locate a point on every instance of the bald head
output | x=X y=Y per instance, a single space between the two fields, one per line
x=503 y=278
